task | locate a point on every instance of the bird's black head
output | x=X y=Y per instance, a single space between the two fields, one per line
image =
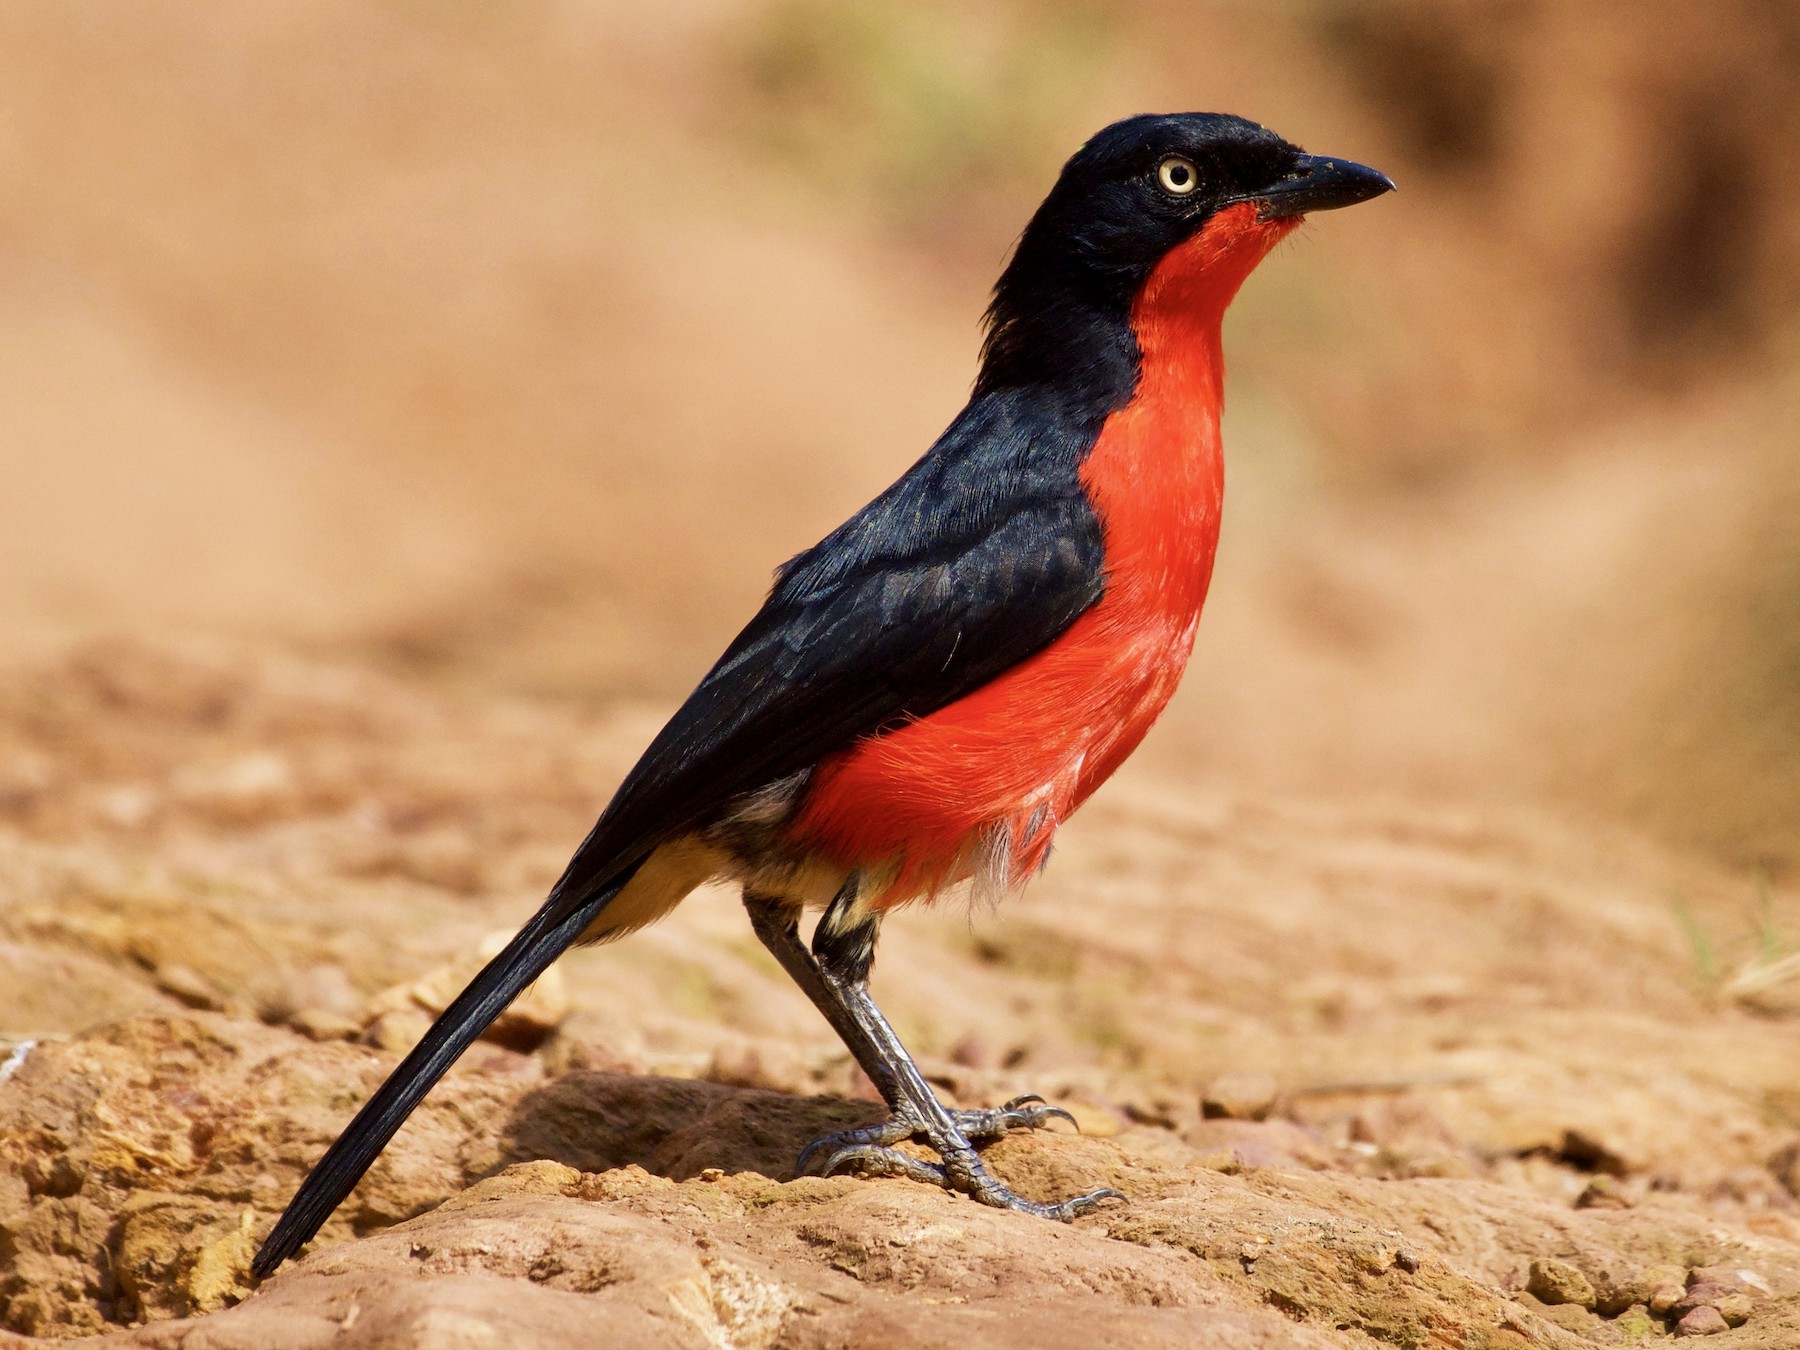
x=1124 y=201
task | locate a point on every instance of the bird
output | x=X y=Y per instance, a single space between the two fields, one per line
x=930 y=692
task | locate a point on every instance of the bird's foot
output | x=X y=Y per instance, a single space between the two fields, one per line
x=981 y=1126
x=870 y=1151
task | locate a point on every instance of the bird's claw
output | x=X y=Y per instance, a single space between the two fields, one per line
x=869 y=1150
x=982 y=1125
x=881 y=1135
x=872 y=1160
x=1063 y=1211
x=1030 y=1112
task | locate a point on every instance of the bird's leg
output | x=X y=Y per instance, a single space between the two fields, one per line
x=776 y=924
x=834 y=974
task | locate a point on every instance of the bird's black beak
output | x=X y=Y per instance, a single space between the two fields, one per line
x=1319 y=183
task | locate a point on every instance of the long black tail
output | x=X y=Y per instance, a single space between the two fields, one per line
x=552 y=931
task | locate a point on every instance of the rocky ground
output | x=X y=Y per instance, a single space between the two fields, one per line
x=1371 y=1072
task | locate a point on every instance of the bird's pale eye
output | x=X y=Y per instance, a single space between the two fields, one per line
x=1177 y=175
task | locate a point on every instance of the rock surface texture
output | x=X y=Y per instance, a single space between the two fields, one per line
x=1370 y=1074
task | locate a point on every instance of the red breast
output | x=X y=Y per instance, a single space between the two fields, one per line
x=984 y=782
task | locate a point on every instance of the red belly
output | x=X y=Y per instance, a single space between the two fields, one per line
x=1004 y=766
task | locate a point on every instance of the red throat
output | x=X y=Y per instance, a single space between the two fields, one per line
x=1156 y=475
x=981 y=785
x=1178 y=314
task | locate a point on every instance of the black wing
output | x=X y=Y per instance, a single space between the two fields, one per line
x=982 y=554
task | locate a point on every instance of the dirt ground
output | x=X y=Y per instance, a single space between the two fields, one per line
x=400 y=406
x=1366 y=1070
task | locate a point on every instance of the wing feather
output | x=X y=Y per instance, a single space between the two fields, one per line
x=979 y=556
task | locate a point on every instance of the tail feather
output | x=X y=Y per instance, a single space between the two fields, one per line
x=551 y=932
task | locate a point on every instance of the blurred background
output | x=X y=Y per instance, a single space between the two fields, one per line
x=510 y=346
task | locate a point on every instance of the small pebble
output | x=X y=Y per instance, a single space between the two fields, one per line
x=1556 y=1282
x=1622 y=1286
x=1703 y=1321
x=325 y=986
x=1634 y=1324
x=1616 y=1288
x=1735 y=1309
x=1666 y=1297
x=1407 y=1261
x=398 y=1031
x=1239 y=1096
x=321 y=1024
x=1701 y=1293
x=189 y=986
x=1732 y=1279
x=1602 y=1193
